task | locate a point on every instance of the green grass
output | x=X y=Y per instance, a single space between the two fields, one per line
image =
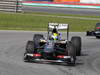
x=31 y=21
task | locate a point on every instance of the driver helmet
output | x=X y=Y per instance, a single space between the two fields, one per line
x=54 y=34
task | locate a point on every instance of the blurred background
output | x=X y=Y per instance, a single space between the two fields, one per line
x=73 y=1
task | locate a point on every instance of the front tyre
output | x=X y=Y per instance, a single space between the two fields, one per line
x=30 y=47
x=71 y=53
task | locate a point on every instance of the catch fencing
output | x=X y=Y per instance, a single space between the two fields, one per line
x=10 y=6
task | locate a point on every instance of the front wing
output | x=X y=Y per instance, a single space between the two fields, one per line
x=60 y=59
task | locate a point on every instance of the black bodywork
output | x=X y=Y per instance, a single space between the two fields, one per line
x=95 y=32
x=51 y=49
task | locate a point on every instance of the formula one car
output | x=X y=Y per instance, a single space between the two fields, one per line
x=96 y=31
x=53 y=48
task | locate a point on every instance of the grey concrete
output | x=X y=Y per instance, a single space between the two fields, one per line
x=95 y=12
x=12 y=48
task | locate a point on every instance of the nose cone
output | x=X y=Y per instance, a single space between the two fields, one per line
x=49 y=48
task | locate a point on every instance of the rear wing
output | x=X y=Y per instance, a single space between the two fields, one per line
x=59 y=26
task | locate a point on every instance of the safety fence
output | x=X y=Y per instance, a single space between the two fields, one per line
x=10 y=6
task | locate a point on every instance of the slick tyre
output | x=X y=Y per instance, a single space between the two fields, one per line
x=30 y=47
x=72 y=54
x=77 y=44
x=98 y=37
x=36 y=39
x=87 y=33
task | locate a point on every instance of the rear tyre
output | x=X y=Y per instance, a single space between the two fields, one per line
x=87 y=33
x=98 y=37
x=72 y=53
x=36 y=39
x=77 y=43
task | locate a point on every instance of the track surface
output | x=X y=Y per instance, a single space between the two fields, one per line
x=95 y=12
x=12 y=47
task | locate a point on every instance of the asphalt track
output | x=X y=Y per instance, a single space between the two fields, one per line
x=12 y=48
x=95 y=12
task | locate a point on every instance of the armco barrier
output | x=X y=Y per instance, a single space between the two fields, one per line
x=10 y=6
x=57 y=4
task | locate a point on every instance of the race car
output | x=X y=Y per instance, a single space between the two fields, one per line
x=53 y=48
x=95 y=32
